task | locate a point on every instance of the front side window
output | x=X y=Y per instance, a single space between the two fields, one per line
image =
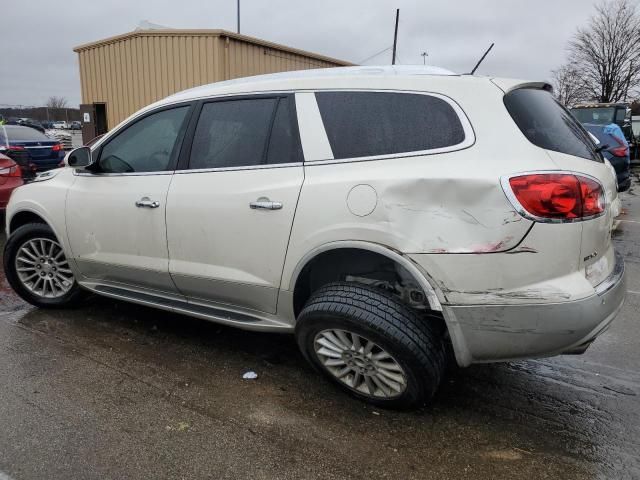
x=149 y=145
x=365 y=124
x=244 y=133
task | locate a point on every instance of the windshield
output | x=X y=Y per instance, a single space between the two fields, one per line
x=595 y=116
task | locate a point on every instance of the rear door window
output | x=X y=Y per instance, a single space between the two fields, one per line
x=245 y=132
x=366 y=124
x=547 y=124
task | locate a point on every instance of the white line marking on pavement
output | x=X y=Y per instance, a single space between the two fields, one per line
x=628 y=291
x=4 y=476
x=628 y=221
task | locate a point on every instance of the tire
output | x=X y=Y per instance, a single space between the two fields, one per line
x=413 y=342
x=69 y=294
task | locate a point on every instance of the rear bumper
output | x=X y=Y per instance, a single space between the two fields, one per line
x=492 y=333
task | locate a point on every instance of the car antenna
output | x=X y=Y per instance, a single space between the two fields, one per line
x=482 y=58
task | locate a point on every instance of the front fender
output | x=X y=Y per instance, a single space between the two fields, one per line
x=45 y=199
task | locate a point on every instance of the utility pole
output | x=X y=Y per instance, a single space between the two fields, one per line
x=395 y=37
x=238 y=16
x=424 y=57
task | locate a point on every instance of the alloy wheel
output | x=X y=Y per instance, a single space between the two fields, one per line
x=360 y=364
x=43 y=268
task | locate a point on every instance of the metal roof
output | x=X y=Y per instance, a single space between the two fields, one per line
x=211 y=33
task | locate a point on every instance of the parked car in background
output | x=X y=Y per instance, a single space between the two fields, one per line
x=33 y=124
x=604 y=114
x=384 y=216
x=47 y=124
x=615 y=148
x=75 y=125
x=26 y=122
x=31 y=150
x=10 y=179
x=60 y=124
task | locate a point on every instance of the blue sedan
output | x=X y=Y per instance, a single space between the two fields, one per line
x=29 y=148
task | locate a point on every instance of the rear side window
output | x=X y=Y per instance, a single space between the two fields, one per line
x=364 y=124
x=245 y=132
x=547 y=124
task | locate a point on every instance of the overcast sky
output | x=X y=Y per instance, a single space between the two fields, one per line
x=37 y=60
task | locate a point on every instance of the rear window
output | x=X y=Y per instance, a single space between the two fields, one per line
x=595 y=116
x=365 y=124
x=24 y=134
x=547 y=124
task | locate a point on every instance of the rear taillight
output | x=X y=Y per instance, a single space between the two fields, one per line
x=57 y=147
x=556 y=196
x=621 y=150
x=10 y=172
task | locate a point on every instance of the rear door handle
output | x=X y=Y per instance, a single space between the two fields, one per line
x=145 y=202
x=264 y=203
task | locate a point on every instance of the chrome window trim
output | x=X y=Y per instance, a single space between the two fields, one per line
x=469 y=133
x=233 y=169
x=81 y=173
x=506 y=188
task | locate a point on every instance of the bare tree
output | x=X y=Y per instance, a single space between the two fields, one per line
x=569 y=87
x=57 y=102
x=606 y=53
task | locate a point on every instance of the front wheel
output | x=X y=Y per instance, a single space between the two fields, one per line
x=372 y=345
x=37 y=269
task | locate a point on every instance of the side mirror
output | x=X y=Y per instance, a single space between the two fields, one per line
x=79 y=158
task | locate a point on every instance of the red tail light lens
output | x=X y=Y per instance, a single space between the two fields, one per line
x=621 y=150
x=559 y=196
x=57 y=147
x=10 y=172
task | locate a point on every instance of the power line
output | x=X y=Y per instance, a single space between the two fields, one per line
x=376 y=54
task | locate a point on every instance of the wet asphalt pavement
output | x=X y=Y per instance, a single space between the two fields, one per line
x=114 y=390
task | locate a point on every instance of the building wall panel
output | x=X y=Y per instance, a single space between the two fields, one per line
x=134 y=70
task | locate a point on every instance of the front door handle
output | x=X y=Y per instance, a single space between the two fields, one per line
x=263 y=203
x=145 y=202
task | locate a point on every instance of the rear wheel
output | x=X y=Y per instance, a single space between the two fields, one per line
x=372 y=345
x=37 y=269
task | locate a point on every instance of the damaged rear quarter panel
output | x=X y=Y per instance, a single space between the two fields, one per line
x=423 y=204
x=437 y=214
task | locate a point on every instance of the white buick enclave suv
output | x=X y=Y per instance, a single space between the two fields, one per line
x=386 y=216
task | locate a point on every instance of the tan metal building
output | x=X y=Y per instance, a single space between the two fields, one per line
x=121 y=74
